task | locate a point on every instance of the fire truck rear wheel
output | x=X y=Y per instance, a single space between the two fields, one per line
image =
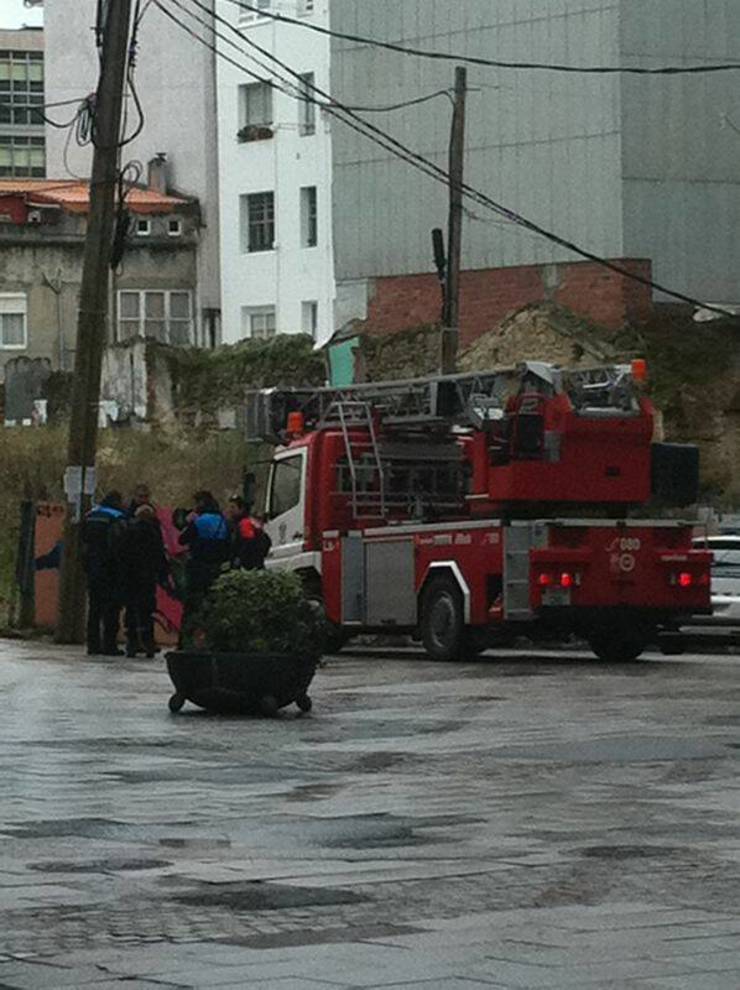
x=618 y=646
x=442 y=620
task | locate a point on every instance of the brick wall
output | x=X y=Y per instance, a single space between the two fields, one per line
x=399 y=302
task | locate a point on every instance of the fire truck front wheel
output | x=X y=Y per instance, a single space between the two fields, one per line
x=619 y=645
x=442 y=619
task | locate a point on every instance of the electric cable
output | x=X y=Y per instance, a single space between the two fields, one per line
x=388 y=143
x=666 y=70
x=133 y=52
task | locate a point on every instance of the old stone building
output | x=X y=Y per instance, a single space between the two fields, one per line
x=153 y=290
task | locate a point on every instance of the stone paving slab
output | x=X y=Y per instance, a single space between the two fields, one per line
x=524 y=821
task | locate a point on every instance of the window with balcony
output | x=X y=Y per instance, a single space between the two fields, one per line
x=257 y=222
x=255 y=112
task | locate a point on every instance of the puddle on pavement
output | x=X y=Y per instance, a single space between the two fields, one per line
x=313 y=792
x=381 y=831
x=243 y=774
x=632 y=852
x=721 y=720
x=618 y=749
x=326 y=936
x=115 y=831
x=259 y=896
x=201 y=845
x=375 y=762
x=373 y=729
x=101 y=866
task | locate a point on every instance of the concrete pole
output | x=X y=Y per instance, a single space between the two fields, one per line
x=451 y=322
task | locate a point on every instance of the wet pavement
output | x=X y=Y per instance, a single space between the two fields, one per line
x=519 y=822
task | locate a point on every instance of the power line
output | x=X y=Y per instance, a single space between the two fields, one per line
x=302 y=96
x=398 y=106
x=666 y=70
x=440 y=175
x=389 y=143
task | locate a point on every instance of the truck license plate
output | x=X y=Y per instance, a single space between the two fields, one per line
x=556 y=596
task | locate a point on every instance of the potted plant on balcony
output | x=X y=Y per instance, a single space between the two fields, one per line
x=259 y=641
x=254 y=132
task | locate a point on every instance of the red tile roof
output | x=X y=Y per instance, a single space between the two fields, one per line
x=74 y=196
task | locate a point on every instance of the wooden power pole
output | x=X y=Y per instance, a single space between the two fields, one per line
x=451 y=321
x=92 y=317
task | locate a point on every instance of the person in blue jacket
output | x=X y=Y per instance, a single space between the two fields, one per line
x=208 y=539
x=103 y=535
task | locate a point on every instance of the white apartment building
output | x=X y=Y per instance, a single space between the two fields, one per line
x=275 y=170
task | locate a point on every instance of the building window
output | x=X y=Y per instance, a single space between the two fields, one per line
x=309 y=217
x=305 y=7
x=22 y=156
x=143 y=228
x=174 y=228
x=307 y=105
x=12 y=321
x=258 y=322
x=21 y=88
x=257 y=221
x=255 y=106
x=248 y=16
x=310 y=317
x=165 y=315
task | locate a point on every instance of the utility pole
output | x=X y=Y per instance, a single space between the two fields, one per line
x=93 y=313
x=451 y=321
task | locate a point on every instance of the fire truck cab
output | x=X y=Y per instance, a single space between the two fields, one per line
x=468 y=509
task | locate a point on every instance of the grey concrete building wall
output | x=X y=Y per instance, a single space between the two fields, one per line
x=547 y=145
x=681 y=145
x=45 y=265
x=175 y=79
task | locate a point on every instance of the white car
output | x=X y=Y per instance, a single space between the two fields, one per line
x=725 y=581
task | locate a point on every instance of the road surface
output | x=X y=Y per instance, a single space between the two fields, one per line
x=524 y=821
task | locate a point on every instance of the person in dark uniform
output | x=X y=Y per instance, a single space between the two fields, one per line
x=102 y=537
x=250 y=542
x=145 y=565
x=142 y=496
x=208 y=539
x=260 y=546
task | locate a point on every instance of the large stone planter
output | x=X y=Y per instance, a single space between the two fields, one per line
x=240 y=683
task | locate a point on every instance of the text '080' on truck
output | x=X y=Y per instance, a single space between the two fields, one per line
x=467 y=510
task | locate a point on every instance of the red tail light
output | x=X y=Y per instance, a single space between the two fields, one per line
x=563 y=579
x=690 y=579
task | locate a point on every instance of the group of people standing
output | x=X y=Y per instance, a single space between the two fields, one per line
x=125 y=560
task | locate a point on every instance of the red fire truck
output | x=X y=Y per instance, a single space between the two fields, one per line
x=468 y=509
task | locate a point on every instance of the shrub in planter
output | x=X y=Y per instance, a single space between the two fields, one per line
x=261 y=612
